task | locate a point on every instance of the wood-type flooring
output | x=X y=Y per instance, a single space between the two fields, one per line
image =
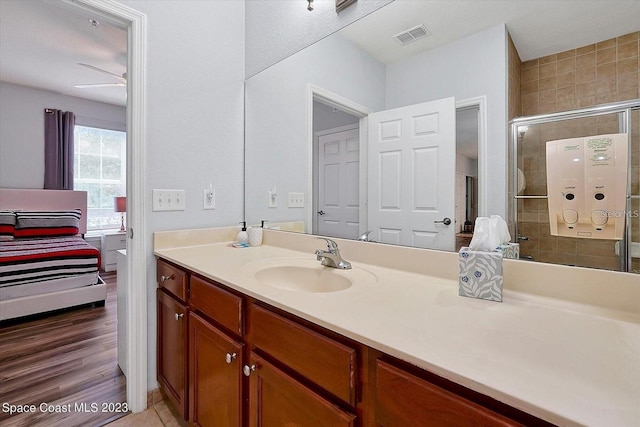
x=65 y=364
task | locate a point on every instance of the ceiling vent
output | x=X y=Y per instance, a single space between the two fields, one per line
x=412 y=34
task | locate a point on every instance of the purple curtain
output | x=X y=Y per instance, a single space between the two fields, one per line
x=58 y=149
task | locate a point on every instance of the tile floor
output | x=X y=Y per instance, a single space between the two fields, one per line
x=158 y=415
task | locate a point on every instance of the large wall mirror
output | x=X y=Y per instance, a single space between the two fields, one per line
x=360 y=133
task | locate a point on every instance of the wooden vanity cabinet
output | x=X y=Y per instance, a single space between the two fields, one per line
x=277 y=399
x=225 y=359
x=172 y=349
x=215 y=375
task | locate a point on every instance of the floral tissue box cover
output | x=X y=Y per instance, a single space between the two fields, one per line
x=480 y=274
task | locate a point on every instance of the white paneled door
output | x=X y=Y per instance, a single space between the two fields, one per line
x=411 y=159
x=338 y=175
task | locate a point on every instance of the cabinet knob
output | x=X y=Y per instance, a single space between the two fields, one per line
x=179 y=316
x=246 y=369
x=164 y=278
x=230 y=357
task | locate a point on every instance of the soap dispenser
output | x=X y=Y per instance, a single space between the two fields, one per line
x=243 y=237
x=255 y=234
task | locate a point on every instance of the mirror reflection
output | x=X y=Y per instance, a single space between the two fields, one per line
x=338 y=95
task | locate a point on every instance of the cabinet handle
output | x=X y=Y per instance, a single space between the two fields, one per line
x=230 y=357
x=164 y=278
x=246 y=369
x=179 y=316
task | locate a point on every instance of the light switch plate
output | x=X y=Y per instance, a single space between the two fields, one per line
x=296 y=200
x=168 y=200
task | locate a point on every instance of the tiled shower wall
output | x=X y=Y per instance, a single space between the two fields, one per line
x=595 y=74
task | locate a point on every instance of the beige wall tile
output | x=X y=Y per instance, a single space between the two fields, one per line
x=628 y=65
x=529 y=64
x=547 y=83
x=586 y=60
x=606 y=44
x=628 y=37
x=605 y=55
x=585 y=49
x=547 y=97
x=628 y=50
x=547 y=70
x=547 y=59
x=566 y=54
x=529 y=87
x=566 y=79
x=606 y=70
x=529 y=74
x=566 y=94
x=565 y=65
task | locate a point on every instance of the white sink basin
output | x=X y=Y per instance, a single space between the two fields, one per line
x=306 y=275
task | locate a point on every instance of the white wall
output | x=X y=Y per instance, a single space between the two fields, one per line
x=22 y=129
x=276 y=29
x=195 y=80
x=277 y=137
x=467 y=68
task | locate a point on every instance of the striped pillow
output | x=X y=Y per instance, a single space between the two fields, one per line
x=47 y=223
x=7 y=225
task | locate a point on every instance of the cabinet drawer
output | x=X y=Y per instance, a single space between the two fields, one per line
x=404 y=400
x=219 y=304
x=326 y=362
x=172 y=279
x=110 y=257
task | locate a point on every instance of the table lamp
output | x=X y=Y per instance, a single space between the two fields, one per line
x=121 y=206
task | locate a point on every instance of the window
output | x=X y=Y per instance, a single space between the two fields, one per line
x=100 y=170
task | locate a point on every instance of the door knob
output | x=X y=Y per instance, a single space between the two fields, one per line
x=230 y=357
x=179 y=316
x=246 y=369
x=445 y=221
x=320 y=212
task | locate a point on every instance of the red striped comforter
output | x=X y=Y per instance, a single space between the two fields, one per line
x=33 y=260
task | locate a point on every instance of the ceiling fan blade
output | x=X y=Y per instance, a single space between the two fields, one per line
x=121 y=78
x=85 y=86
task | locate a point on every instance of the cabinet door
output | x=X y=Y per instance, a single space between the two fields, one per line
x=276 y=399
x=172 y=349
x=404 y=400
x=215 y=376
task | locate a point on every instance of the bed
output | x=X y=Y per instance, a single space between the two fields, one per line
x=45 y=264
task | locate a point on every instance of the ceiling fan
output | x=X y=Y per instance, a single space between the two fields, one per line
x=122 y=78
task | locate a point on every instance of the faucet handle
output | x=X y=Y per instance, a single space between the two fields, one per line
x=331 y=245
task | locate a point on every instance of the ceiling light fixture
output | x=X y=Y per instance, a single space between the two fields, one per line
x=310 y=5
x=93 y=22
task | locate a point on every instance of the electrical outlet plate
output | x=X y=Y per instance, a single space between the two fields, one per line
x=296 y=200
x=209 y=202
x=168 y=200
x=273 y=199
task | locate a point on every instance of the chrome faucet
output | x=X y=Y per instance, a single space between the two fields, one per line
x=331 y=257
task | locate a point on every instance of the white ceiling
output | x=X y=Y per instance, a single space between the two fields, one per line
x=42 y=41
x=537 y=27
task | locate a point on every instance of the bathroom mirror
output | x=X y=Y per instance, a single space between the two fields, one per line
x=332 y=86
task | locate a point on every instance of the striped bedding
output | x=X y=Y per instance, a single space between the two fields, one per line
x=29 y=261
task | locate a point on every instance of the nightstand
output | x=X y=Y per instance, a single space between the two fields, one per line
x=110 y=244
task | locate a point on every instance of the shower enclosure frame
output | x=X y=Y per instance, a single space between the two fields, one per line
x=624 y=109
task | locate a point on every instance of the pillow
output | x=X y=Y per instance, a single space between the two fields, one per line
x=7 y=225
x=47 y=223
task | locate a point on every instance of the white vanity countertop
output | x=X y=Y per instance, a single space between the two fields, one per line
x=567 y=363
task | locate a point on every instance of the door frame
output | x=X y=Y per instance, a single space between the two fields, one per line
x=135 y=23
x=481 y=103
x=316 y=93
